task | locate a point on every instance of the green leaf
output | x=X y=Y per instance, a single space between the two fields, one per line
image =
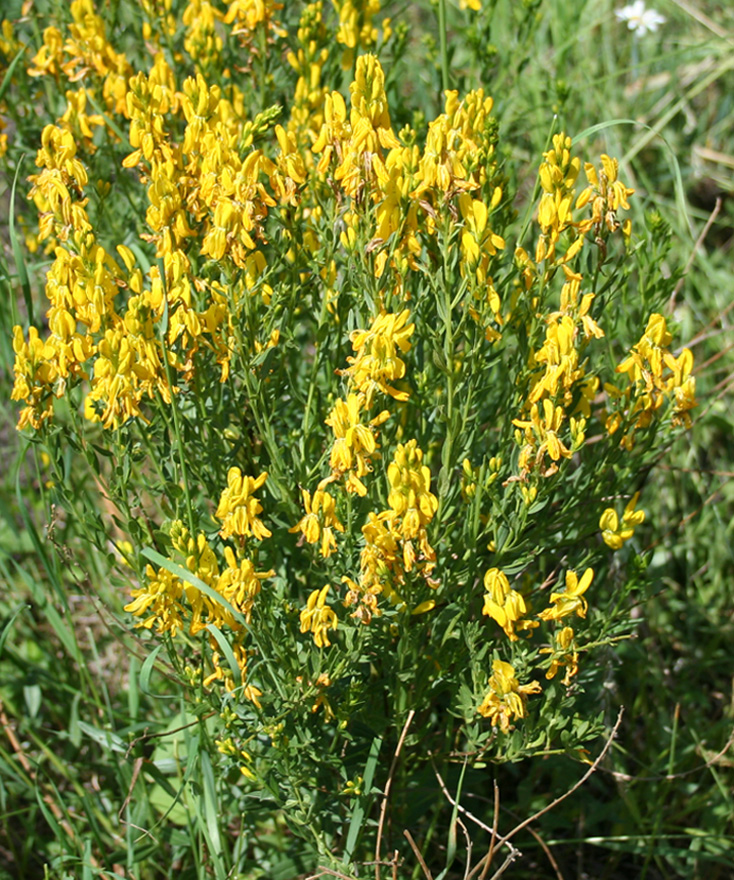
x=147 y=670
x=8 y=626
x=358 y=812
x=32 y=697
x=228 y=653
x=7 y=79
x=106 y=738
x=20 y=266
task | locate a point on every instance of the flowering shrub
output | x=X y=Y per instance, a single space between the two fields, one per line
x=364 y=433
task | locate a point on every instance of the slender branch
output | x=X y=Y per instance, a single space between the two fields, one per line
x=467 y=839
x=327 y=872
x=505 y=841
x=417 y=853
x=575 y=787
x=504 y=866
x=388 y=785
x=493 y=838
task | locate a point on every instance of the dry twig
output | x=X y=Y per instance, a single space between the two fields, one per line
x=417 y=853
x=386 y=795
x=505 y=841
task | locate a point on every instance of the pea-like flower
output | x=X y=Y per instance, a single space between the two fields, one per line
x=571 y=600
x=239 y=509
x=506 y=699
x=501 y=602
x=318 y=618
x=616 y=532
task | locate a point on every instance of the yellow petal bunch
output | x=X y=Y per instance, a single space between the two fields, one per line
x=239 y=509
x=654 y=375
x=410 y=188
x=507 y=607
x=320 y=520
x=503 y=604
x=81 y=287
x=558 y=174
x=606 y=193
x=77 y=121
x=506 y=698
x=318 y=618
x=309 y=96
x=563 y=655
x=246 y=15
x=202 y=42
x=616 y=532
x=572 y=599
x=558 y=403
x=85 y=53
x=459 y=147
x=376 y=363
x=176 y=606
x=356 y=27
x=411 y=501
x=358 y=142
x=396 y=539
x=355 y=443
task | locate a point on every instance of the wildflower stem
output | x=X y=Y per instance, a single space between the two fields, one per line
x=314 y=373
x=174 y=408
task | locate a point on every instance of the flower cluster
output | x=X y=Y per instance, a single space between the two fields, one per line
x=396 y=540
x=220 y=597
x=654 y=376
x=506 y=699
x=239 y=509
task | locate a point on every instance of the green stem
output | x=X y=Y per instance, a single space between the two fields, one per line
x=305 y=425
x=174 y=407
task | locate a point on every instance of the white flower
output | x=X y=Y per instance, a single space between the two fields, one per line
x=639 y=19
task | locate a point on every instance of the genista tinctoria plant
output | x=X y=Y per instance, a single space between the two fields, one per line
x=373 y=431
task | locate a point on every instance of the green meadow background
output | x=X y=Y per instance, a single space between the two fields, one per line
x=661 y=804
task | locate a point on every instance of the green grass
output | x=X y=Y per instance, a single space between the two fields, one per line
x=99 y=770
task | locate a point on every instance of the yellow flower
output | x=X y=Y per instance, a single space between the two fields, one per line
x=542 y=437
x=458 y=147
x=563 y=654
x=376 y=362
x=239 y=509
x=606 y=193
x=558 y=174
x=355 y=26
x=318 y=618
x=354 y=442
x=478 y=242
x=571 y=599
x=160 y=600
x=614 y=532
x=654 y=375
x=506 y=698
x=320 y=520
x=501 y=602
x=240 y=584
x=410 y=489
